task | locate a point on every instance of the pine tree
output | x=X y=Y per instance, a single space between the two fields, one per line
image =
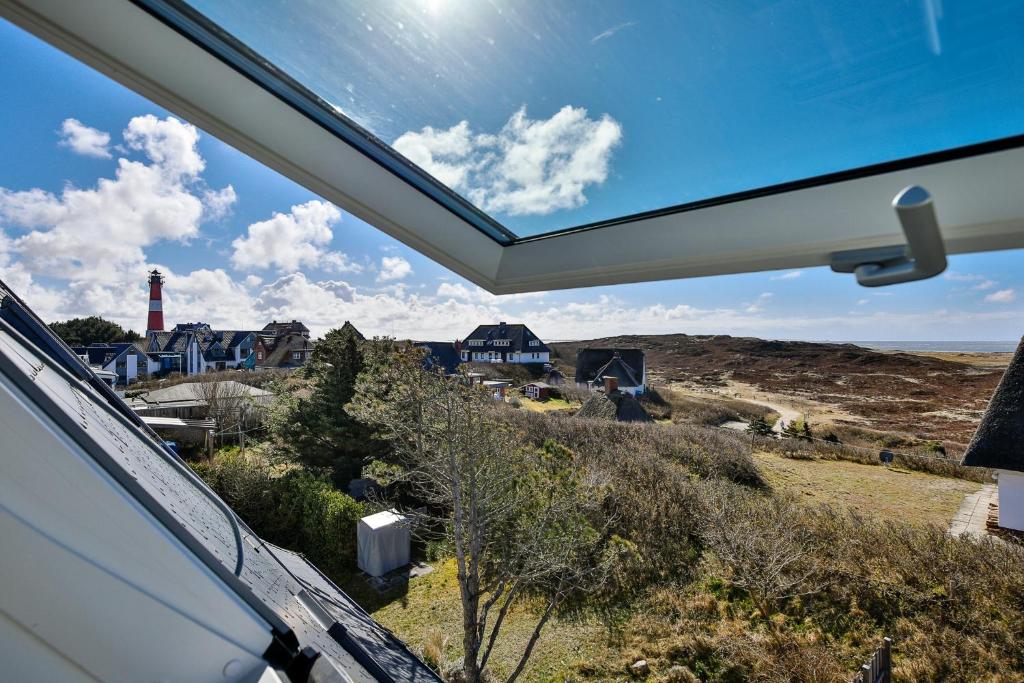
x=805 y=432
x=760 y=427
x=92 y=330
x=314 y=426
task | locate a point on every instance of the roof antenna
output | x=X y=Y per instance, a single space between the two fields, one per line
x=922 y=257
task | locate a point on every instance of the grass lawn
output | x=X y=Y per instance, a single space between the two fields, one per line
x=548 y=405
x=432 y=604
x=575 y=650
x=873 y=490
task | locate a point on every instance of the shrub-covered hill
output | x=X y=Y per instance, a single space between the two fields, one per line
x=929 y=397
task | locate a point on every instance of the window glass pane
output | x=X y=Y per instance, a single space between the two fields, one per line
x=550 y=115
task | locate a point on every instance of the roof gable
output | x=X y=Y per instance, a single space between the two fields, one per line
x=999 y=441
x=518 y=335
x=620 y=370
x=590 y=361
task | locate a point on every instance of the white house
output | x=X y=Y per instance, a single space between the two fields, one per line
x=125 y=360
x=627 y=366
x=195 y=348
x=999 y=442
x=503 y=343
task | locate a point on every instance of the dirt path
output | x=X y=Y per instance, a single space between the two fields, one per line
x=776 y=404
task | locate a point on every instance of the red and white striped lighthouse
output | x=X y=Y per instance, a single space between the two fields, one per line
x=156 y=306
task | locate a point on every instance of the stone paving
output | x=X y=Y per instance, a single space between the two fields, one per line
x=973 y=512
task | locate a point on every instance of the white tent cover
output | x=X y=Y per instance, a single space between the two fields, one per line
x=384 y=542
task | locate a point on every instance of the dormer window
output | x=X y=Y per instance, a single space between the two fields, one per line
x=534 y=342
x=501 y=342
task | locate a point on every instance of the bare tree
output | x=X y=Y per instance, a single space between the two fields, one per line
x=227 y=403
x=765 y=548
x=519 y=522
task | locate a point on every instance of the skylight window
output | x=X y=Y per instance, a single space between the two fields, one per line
x=546 y=116
x=535 y=146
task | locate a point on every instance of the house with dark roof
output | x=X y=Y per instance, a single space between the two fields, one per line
x=194 y=348
x=288 y=351
x=609 y=403
x=287 y=345
x=442 y=356
x=503 y=343
x=125 y=360
x=998 y=443
x=278 y=329
x=627 y=366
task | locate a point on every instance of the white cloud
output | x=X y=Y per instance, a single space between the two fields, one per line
x=460 y=292
x=790 y=275
x=289 y=241
x=528 y=167
x=253 y=281
x=1003 y=296
x=170 y=143
x=862 y=302
x=758 y=304
x=984 y=285
x=393 y=268
x=81 y=139
x=96 y=234
x=219 y=203
x=608 y=33
x=955 y=276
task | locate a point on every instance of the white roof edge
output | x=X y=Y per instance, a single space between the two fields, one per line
x=167 y=68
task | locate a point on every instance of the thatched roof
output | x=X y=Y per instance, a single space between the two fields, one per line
x=999 y=441
x=617 y=406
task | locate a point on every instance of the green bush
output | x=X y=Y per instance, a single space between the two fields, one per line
x=298 y=509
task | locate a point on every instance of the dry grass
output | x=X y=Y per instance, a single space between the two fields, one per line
x=994 y=360
x=875 y=491
x=428 y=616
x=664 y=403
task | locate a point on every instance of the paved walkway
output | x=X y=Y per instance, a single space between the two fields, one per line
x=973 y=512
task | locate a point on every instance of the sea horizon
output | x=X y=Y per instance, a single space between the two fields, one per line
x=946 y=346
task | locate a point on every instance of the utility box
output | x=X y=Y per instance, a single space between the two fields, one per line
x=384 y=542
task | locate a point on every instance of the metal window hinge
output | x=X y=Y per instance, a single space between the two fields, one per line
x=922 y=257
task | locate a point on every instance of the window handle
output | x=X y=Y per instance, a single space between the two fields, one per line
x=922 y=257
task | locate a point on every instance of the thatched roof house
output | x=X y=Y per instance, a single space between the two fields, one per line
x=999 y=442
x=617 y=405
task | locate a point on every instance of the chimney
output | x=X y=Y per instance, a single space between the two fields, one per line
x=155 y=322
x=611 y=384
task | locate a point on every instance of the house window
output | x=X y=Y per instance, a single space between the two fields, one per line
x=475 y=342
x=297 y=355
x=534 y=342
x=259 y=355
x=501 y=342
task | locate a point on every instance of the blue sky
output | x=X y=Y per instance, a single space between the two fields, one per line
x=98 y=185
